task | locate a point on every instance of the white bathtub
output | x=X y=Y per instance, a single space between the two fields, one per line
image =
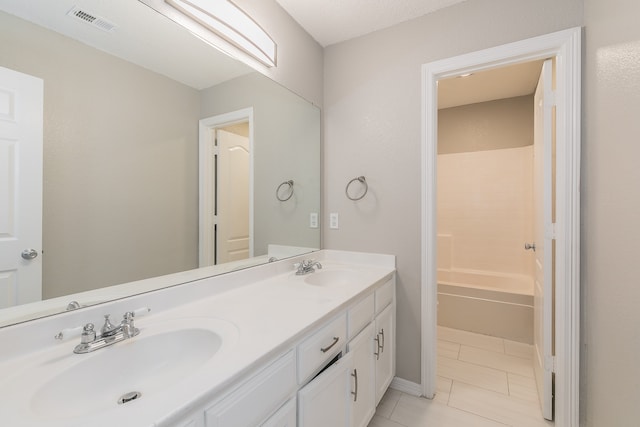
x=489 y=303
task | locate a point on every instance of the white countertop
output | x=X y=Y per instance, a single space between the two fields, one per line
x=270 y=307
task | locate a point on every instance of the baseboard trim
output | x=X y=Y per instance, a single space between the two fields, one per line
x=406 y=386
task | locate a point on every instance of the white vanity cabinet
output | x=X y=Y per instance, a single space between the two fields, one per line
x=285 y=416
x=385 y=343
x=326 y=400
x=385 y=351
x=196 y=421
x=258 y=398
x=363 y=399
x=334 y=376
x=346 y=393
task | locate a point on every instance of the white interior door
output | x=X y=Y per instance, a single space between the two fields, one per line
x=21 y=110
x=232 y=201
x=543 y=233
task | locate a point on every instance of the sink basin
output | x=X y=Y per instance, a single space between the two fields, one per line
x=340 y=277
x=137 y=369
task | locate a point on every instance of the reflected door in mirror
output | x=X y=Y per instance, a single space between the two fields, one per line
x=21 y=114
x=233 y=195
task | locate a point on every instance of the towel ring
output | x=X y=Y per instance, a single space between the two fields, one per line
x=359 y=179
x=290 y=189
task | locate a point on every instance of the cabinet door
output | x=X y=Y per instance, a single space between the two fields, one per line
x=326 y=400
x=284 y=417
x=250 y=404
x=363 y=403
x=385 y=351
x=196 y=421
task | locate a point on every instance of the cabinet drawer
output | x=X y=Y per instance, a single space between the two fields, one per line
x=321 y=347
x=360 y=315
x=255 y=400
x=384 y=296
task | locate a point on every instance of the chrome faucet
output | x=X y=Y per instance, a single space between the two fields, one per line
x=109 y=334
x=306 y=266
x=73 y=305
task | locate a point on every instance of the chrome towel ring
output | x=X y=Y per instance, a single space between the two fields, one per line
x=360 y=179
x=289 y=191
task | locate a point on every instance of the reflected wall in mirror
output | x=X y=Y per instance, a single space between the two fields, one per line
x=121 y=114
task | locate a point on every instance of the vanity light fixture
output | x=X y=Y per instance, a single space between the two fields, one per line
x=226 y=20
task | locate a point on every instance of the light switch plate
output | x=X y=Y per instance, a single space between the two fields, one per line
x=333 y=220
x=313 y=220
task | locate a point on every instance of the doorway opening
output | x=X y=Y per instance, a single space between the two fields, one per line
x=565 y=46
x=226 y=188
x=490 y=164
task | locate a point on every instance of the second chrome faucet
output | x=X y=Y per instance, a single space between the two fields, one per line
x=306 y=266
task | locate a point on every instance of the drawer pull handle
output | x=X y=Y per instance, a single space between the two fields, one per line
x=355 y=393
x=382 y=333
x=377 y=352
x=335 y=341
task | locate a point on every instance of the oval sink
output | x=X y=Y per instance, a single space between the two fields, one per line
x=146 y=364
x=332 y=277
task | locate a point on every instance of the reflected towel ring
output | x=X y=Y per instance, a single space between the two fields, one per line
x=290 y=189
x=359 y=179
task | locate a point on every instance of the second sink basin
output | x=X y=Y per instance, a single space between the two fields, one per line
x=134 y=369
x=337 y=277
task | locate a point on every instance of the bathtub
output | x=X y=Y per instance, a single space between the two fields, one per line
x=496 y=304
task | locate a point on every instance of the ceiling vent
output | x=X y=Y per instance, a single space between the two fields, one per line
x=91 y=19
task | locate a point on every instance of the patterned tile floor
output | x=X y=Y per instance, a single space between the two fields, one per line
x=482 y=381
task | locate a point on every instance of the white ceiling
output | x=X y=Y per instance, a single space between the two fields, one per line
x=334 y=21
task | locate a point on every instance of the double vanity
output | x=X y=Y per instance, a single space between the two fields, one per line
x=257 y=347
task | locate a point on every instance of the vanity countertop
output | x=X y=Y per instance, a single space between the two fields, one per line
x=269 y=313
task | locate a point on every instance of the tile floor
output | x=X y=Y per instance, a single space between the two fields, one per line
x=482 y=381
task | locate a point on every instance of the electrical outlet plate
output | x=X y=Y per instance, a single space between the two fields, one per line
x=313 y=220
x=333 y=220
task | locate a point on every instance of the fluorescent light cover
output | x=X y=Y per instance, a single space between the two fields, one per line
x=231 y=23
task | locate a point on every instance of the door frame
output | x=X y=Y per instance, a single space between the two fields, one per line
x=566 y=47
x=206 y=179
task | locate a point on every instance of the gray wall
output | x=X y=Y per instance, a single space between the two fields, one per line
x=372 y=127
x=372 y=96
x=493 y=125
x=120 y=163
x=610 y=212
x=300 y=57
x=286 y=146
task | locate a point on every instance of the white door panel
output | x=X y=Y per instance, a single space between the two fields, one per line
x=21 y=117
x=543 y=205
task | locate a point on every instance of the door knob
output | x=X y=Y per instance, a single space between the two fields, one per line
x=29 y=254
x=528 y=246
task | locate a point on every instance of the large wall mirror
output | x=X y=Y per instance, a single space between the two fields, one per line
x=122 y=147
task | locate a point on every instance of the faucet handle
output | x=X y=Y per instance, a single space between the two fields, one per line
x=69 y=333
x=88 y=334
x=108 y=326
x=139 y=312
